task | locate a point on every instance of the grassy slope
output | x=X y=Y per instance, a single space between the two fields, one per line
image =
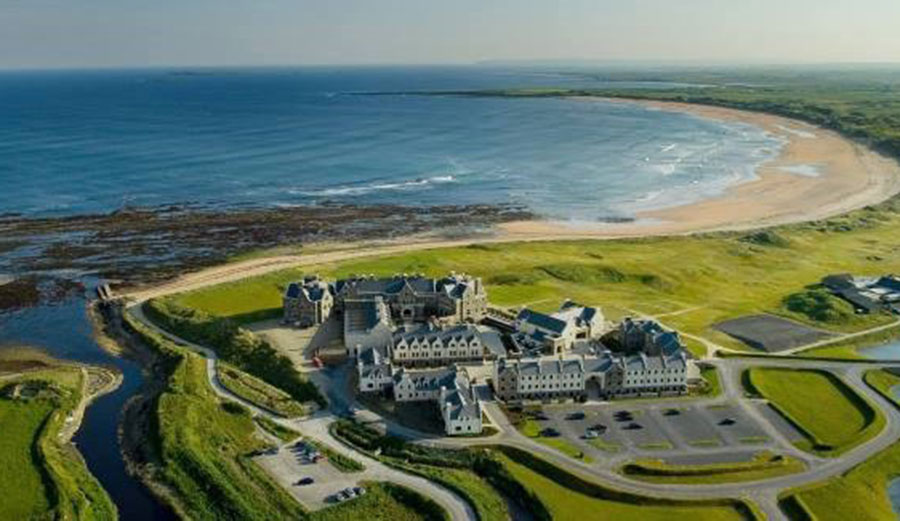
x=565 y=504
x=21 y=482
x=489 y=505
x=833 y=414
x=380 y=503
x=203 y=446
x=721 y=275
x=763 y=466
x=860 y=494
x=258 y=392
x=42 y=479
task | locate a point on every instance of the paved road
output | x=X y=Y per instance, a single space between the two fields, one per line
x=316 y=427
x=764 y=493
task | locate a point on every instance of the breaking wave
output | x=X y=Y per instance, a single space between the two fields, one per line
x=411 y=184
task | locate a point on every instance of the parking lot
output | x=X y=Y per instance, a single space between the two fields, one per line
x=288 y=466
x=656 y=430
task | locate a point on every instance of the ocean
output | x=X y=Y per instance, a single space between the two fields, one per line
x=78 y=142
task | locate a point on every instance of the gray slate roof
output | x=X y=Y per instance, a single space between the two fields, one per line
x=542 y=321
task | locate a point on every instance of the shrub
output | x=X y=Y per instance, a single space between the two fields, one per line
x=819 y=305
x=234 y=345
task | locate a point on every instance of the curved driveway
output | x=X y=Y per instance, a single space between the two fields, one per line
x=764 y=493
x=316 y=427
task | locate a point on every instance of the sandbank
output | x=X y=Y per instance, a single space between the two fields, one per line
x=818 y=174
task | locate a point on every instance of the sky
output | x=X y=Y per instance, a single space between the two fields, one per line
x=135 y=33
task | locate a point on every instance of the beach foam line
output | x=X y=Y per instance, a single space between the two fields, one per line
x=376 y=187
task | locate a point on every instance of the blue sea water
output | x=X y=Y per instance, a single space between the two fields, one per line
x=86 y=142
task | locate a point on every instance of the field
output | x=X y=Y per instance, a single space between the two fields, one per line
x=763 y=466
x=42 y=478
x=860 y=494
x=568 y=504
x=832 y=416
x=715 y=276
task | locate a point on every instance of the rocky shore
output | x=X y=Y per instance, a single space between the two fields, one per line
x=151 y=244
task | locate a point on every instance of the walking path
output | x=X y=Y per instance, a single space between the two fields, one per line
x=316 y=427
x=764 y=493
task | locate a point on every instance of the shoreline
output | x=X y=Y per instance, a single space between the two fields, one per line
x=817 y=174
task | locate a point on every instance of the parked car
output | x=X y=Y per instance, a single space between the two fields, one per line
x=633 y=426
x=360 y=491
x=575 y=416
x=305 y=481
x=727 y=421
x=550 y=432
x=599 y=428
x=672 y=412
x=590 y=434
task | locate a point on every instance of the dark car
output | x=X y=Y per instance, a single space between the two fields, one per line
x=599 y=428
x=727 y=421
x=633 y=426
x=576 y=416
x=305 y=481
x=672 y=412
x=550 y=433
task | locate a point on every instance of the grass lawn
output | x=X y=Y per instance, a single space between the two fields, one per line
x=383 y=502
x=566 y=504
x=764 y=466
x=279 y=431
x=833 y=416
x=713 y=385
x=850 y=348
x=532 y=429
x=488 y=503
x=21 y=482
x=41 y=478
x=722 y=275
x=258 y=392
x=860 y=494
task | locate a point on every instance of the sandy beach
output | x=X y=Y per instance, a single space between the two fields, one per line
x=818 y=174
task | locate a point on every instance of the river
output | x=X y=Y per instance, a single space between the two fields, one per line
x=63 y=330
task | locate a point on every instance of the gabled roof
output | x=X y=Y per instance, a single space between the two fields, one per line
x=542 y=321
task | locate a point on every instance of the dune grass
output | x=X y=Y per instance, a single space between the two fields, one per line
x=714 y=276
x=42 y=478
x=763 y=466
x=860 y=494
x=576 y=502
x=833 y=417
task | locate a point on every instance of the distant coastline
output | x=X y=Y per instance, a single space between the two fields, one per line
x=818 y=174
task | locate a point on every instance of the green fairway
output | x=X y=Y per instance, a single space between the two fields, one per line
x=833 y=416
x=40 y=477
x=860 y=494
x=715 y=277
x=572 y=504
